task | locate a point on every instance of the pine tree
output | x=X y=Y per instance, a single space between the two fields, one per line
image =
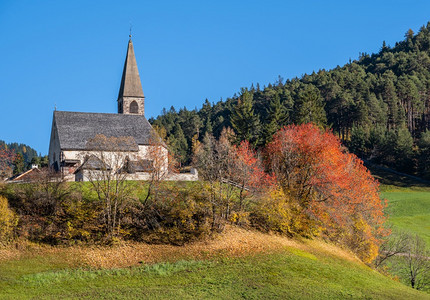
x=18 y=164
x=178 y=144
x=207 y=128
x=276 y=117
x=244 y=121
x=310 y=108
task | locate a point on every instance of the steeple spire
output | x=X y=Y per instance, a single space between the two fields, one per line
x=130 y=82
x=130 y=92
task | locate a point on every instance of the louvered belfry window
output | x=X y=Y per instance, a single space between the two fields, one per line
x=134 y=108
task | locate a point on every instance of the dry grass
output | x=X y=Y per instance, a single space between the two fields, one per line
x=233 y=242
x=8 y=253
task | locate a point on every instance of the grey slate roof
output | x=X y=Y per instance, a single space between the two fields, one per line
x=93 y=163
x=76 y=128
x=143 y=165
x=130 y=81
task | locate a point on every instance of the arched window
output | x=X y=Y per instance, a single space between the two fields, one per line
x=134 y=108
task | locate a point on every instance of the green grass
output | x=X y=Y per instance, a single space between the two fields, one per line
x=289 y=274
x=410 y=211
x=408 y=202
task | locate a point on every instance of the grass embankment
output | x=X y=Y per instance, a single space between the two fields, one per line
x=238 y=264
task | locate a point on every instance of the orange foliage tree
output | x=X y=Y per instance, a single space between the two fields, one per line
x=248 y=171
x=330 y=186
x=233 y=174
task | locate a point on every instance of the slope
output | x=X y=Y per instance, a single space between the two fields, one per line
x=238 y=264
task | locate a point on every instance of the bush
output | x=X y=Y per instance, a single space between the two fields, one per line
x=176 y=214
x=8 y=221
x=277 y=212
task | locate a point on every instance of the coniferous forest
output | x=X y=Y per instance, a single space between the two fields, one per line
x=378 y=105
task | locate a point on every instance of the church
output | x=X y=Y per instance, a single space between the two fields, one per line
x=70 y=150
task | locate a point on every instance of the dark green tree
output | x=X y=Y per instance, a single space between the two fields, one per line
x=276 y=118
x=18 y=164
x=424 y=154
x=309 y=107
x=244 y=121
x=178 y=144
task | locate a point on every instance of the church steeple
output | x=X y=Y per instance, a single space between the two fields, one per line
x=130 y=98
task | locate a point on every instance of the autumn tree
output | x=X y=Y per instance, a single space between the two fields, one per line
x=162 y=163
x=232 y=173
x=103 y=165
x=7 y=158
x=248 y=172
x=330 y=186
x=8 y=221
x=214 y=159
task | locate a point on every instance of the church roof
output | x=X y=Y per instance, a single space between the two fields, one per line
x=93 y=163
x=130 y=82
x=76 y=128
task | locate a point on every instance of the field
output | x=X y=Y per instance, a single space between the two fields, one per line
x=408 y=203
x=410 y=211
x=238 y=265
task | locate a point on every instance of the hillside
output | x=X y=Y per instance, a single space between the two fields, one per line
x=26 y=151
x=20 y=158
x=408 y=202
x=378 y=104
x=238 y=264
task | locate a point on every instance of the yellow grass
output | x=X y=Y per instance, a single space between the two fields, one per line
x=233 y=242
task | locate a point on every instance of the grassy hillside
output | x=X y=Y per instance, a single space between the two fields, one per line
x=410 y=210
x=239 y=264
x=408 y=202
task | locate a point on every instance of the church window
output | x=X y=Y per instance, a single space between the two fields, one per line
x=134 y=108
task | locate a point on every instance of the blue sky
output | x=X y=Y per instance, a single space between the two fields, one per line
x=71 y=53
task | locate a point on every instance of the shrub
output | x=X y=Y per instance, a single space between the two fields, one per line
x=8 y=221
x=277 y=212
x=176 y=215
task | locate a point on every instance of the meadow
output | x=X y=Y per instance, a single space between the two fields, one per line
x=238 y=265
x=408 y=203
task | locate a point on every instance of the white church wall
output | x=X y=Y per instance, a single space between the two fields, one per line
x=84 y=175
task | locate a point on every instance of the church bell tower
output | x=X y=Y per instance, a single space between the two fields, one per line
x=130 y=98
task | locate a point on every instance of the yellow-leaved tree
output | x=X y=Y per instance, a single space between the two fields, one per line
x=8 y=221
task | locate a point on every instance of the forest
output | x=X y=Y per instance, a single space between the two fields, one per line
x=378 y=105
x=16 y=158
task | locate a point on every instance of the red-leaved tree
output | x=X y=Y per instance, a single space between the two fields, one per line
x=330 y=186
x=248 y=171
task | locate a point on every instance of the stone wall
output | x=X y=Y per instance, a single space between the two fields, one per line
x=83 y=175
x=126 y=101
